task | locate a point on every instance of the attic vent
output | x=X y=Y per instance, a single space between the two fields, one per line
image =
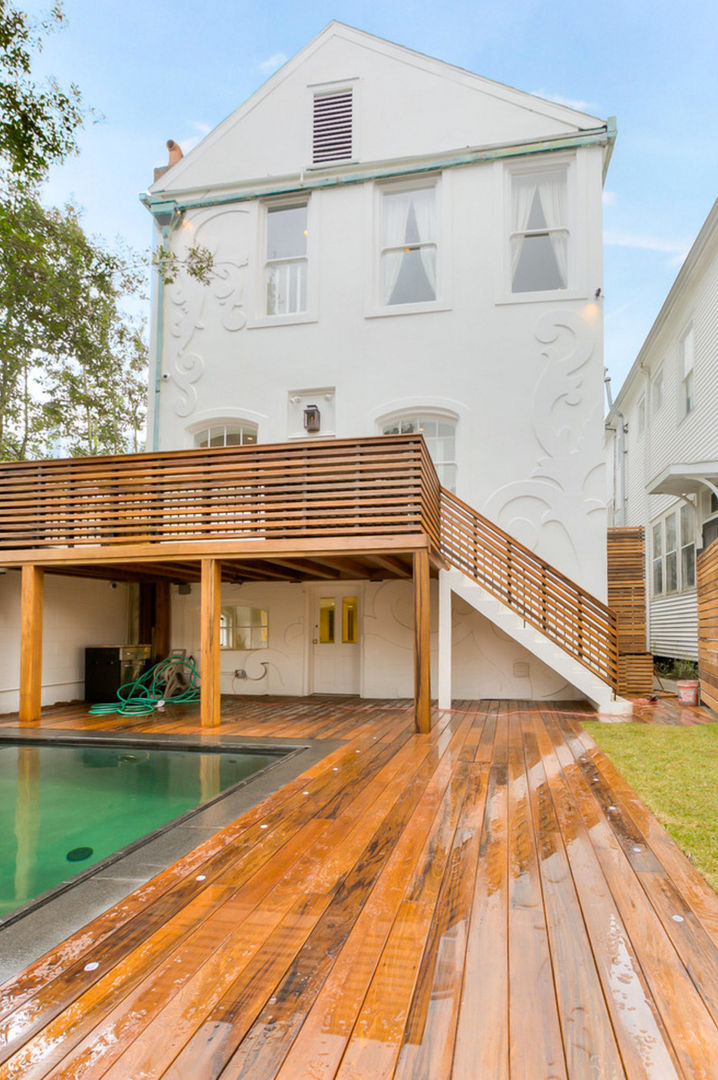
x=332 y=127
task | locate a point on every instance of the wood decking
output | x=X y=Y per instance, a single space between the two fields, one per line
x=489 y=900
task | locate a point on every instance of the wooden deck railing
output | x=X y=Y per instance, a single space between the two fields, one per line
x=385 y=486
x=379 y=486
x=546 y=599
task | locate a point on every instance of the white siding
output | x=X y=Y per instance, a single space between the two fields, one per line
x=674 y=626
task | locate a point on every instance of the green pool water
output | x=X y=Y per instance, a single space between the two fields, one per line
x=64 y=808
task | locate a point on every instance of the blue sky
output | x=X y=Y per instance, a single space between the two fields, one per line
x=155 y=69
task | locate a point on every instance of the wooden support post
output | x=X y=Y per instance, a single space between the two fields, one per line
x=211 y=606
x=422 y=644
x=31 y=644
x=162 y=619
x=444 y=658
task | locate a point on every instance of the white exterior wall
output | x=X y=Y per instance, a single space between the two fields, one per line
x=670 y=437
x=486 y=663
x=523 y=379
x=76 y=613
x=521 y=375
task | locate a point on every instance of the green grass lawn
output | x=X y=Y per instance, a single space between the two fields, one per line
x=675 y=772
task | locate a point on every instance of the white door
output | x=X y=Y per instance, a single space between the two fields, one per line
x=335 y=640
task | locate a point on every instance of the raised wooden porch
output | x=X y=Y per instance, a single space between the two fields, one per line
x=340 y=509
x=488 y=900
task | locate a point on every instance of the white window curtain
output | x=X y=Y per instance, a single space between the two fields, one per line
x=425 y=211
x=551 y=189
x=396 y=214
x=523 y=190
x=397 y=208
x=552 y=193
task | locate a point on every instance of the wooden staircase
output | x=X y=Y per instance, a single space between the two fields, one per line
x=554 y=618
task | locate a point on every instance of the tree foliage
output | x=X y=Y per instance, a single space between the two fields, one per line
x=38 y=122
x=72 y=364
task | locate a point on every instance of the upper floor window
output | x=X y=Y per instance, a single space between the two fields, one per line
x=239 y=434
x=286 y=261
x=539 y=231
x=686 y=360
x=408 y=245
x=440 y=438
x=656 y=391
x=333 y=127
x=641 y=416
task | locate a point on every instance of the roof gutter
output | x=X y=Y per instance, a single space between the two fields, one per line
x=301 y=182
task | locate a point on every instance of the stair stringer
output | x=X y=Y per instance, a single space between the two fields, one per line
x=601 y=694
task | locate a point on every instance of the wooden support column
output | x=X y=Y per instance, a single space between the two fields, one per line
x=31 y=644
x=444 y=658
x=422 y=644
x=162 y=619
x=155 y=617
x=211 y=606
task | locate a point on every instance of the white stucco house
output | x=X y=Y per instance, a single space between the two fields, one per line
x=399 y=245
x=662 y=446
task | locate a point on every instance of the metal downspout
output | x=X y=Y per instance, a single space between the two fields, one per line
x=620 y=430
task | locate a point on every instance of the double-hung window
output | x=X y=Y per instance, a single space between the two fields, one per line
x=674 y=551
x=686 y=358
x=641 y=416
x=688 y=547
x=408 y=270
x=286 y=259
x=657 y=391
x=539 y=238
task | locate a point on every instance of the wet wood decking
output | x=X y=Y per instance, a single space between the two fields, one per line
x=487 y=901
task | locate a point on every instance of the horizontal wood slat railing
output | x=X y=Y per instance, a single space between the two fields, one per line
x=545 y=598
x=379 y=486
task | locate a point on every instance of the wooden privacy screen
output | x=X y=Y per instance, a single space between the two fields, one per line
x=627 y=587
x=336 y=488
x=626 y=565
x=708 y=624
x=581 y=624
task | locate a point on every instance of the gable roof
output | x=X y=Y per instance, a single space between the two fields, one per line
x=563 y=119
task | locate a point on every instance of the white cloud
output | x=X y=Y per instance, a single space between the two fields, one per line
x=570 y=103
x=678 y=249
x=191 y=141
x=609 y=198
x=272 y=63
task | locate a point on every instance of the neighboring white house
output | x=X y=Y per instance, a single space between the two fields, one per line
x=662 y=446
x=398 y=244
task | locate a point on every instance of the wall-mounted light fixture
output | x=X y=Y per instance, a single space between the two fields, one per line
x=312 y=419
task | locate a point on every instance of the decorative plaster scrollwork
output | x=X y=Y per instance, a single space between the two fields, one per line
x=192 y=306
x=549 y=511
x=188 y=368
x=228 y=289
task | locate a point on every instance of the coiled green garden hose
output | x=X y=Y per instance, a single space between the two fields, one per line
x=172 y=681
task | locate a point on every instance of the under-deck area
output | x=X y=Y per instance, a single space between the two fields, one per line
x=489 y=899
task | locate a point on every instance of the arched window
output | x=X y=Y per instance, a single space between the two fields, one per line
x=440 y=436
x=233 y=433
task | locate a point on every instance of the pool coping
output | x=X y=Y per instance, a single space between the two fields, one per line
x=46 y=920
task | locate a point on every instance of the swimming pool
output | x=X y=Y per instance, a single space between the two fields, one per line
x=65 y=807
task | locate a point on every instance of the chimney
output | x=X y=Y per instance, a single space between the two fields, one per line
x=175 y=155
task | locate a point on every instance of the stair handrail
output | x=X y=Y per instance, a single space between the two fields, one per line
x=567 y=614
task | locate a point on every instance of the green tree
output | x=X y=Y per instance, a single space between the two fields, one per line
x=72 y=364
x=38 y=122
